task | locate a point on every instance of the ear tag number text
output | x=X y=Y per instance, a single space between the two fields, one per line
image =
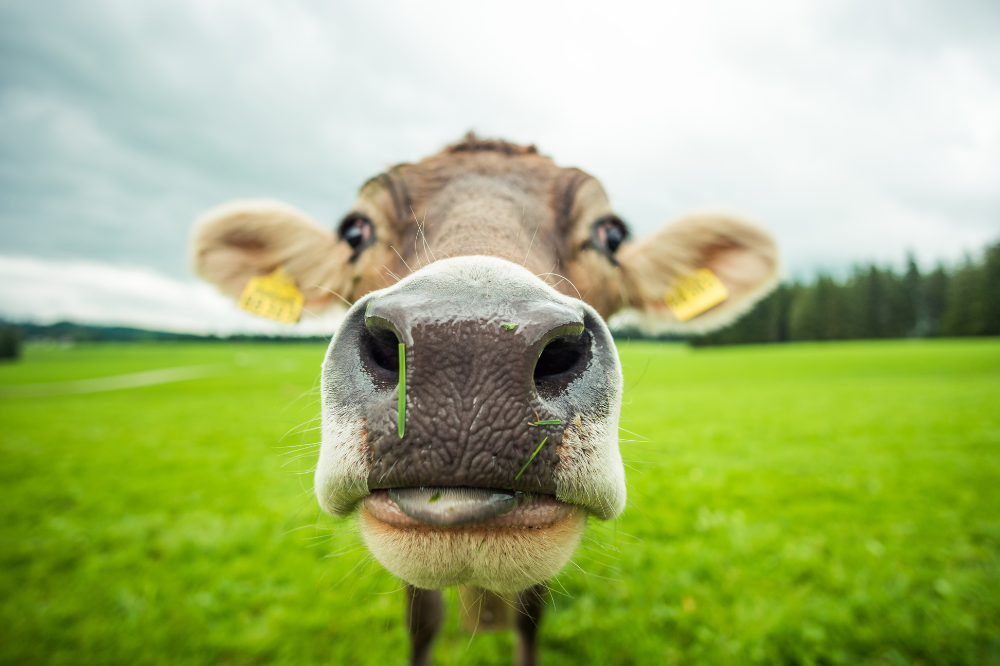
x=274 y=296
x=692 y=294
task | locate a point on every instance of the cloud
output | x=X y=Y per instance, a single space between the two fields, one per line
x=855 y=132
x=45 y=291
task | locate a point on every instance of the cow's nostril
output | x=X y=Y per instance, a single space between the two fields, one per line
x=561 y=356
x=383 y=347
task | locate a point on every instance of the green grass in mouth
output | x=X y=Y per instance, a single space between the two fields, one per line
x=402 y=389
x=531 y=458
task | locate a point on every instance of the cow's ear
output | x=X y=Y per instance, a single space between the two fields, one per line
x=667 y=265
x=239 y=240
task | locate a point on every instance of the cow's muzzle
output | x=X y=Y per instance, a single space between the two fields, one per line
x=497 y=374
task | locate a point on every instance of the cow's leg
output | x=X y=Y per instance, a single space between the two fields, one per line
x=528 y=609
x=424 y=613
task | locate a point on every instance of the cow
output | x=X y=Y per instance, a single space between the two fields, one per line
x=470 y=397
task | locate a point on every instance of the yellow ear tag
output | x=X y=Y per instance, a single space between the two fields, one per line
x=692 y=294
x=274 y=296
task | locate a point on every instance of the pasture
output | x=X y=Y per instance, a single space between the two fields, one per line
x=829 y=503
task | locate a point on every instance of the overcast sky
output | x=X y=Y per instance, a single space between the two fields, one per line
x=856 y=131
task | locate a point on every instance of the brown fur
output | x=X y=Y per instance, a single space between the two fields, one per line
x=471 y=143
x=494 y=198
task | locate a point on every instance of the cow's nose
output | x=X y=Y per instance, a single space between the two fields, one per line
x=525 y=345
x=489 y=386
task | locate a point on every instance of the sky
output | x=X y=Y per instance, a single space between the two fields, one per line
x=854 y=131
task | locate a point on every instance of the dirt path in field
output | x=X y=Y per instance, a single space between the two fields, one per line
x=114 y=382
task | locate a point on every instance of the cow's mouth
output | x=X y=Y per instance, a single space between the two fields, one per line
x=464 y=507
x=497 y=539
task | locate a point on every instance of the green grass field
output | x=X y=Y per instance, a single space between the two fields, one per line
x=799 y=504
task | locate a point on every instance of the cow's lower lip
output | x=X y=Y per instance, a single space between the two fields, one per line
x=464 y=507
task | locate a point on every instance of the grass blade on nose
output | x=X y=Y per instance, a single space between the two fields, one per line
x=531 y=458
x=402 y=390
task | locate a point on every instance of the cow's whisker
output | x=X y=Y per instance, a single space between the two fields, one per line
x=567 y=280
x=526 y=254
x=633 y=433
x=518 y=239
x=327 y=289
x=401 y=258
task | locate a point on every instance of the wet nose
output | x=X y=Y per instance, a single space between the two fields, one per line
x=449 y=342
x=481 y=390
x=468 y=394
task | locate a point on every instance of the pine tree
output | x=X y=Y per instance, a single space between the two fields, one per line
x=915 y=318
x=961 y=315
x=10 y=343
x=935 y=290
x=990 y=291
x=804 y=315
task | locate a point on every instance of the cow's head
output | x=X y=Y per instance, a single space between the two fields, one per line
x=495 y=270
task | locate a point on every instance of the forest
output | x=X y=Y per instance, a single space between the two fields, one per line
x=877 y=302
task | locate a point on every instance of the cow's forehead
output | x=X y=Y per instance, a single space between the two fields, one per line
x=536 y=178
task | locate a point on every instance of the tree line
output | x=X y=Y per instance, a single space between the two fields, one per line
x=12 y=335
x=874 y=302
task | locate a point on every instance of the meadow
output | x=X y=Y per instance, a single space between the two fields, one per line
x=830 y=503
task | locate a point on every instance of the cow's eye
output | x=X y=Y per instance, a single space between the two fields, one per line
x=357 y=231
x=608 y=234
